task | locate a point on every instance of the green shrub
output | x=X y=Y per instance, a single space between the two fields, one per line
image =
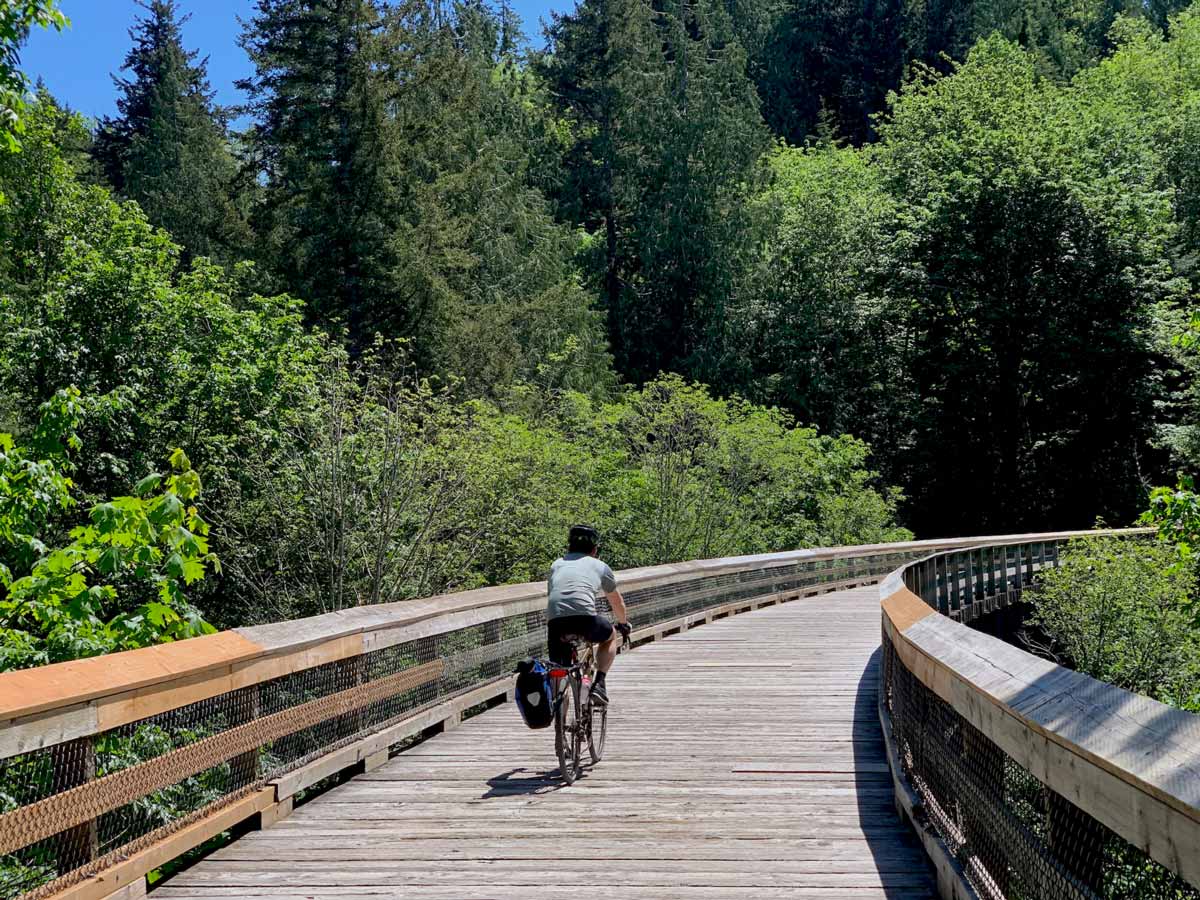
x=1120 y=612
x=114 y=582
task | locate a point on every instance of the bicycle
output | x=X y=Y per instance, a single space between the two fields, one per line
x=576 y=718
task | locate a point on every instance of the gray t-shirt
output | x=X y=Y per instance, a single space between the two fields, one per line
x=576 y=584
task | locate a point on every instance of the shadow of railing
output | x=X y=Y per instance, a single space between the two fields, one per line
x=897 y=856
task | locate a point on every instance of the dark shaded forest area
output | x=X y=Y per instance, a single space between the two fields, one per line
x=721 y=276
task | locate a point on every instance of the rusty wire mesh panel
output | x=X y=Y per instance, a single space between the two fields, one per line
x=1015 y=838
x=71 y=810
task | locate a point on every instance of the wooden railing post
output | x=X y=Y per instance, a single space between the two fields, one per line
x=980 y=574
x=955 y=560
x=940 y=595
x=1018 y=580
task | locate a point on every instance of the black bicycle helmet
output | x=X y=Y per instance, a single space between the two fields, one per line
x=582 y=539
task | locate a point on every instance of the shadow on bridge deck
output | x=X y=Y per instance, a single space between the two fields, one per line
x=869 y=751
x=745 y=760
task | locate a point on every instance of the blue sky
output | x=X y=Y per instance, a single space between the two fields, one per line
x=77 y=63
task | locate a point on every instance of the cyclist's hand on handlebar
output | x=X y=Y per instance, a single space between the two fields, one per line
x=625 y=629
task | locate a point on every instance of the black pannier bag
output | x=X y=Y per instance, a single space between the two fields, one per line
x=534 y=696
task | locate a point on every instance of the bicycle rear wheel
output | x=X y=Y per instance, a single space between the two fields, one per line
x=597 y=730
x=567 y=731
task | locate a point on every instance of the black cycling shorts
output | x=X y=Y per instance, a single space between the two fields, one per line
x=593 y=629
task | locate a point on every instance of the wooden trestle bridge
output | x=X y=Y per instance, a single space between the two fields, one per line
x=835 y=729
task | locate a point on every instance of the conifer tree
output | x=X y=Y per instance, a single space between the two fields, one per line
x=168 y=148
x=519 y=311
x=399 y=149
x=668 y=138
x=318 y=96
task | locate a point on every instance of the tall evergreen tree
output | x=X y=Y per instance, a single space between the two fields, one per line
x=323 y=77
x=399 y=146
x=837 y=58
x=478 y=137
x=168 y=148
x=668 y=137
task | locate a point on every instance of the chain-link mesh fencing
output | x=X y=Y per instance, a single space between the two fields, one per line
x=1015 y=838
x=71 y=810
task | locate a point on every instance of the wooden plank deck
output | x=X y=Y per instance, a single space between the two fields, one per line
x=744 y=760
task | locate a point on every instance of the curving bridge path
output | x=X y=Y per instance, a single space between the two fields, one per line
x=813 y=724
x=744 y=759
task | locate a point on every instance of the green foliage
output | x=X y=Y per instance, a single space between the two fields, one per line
x=403 y=489
x=841 y=58
x=1042 y=364
x=118 y=580
x=710 y=477
x=979 y=294
x=838 y=59
x=17 y=17
x=91 y=295
x=1139 y=107
x=33 y=485
x=364 y=503
x=319 y=94
x=810 y=331
x=1122 y=613
x=515 y=306
x=1175 y=512
x=410 y=205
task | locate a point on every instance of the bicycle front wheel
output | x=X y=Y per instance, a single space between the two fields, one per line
x=567 y=731
x=597 y=730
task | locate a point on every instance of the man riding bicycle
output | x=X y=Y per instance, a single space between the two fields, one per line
x=577 y=581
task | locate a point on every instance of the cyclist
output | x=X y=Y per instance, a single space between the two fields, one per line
x=577 y=581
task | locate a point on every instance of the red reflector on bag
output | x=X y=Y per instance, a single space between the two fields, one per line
x=558 y=673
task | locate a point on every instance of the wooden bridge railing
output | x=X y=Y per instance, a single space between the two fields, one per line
x=113 y=766
x=1023 y=778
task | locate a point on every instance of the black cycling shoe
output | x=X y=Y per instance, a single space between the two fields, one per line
x=599 y=693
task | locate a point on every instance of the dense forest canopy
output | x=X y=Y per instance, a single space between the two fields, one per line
x=720 y=277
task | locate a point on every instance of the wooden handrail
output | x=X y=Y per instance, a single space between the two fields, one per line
x=55 y=703
x=72 y=703
x=1129 y=762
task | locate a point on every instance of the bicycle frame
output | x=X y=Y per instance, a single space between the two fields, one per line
x=570 y=735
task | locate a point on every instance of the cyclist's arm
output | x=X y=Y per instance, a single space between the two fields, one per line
x=617 y=602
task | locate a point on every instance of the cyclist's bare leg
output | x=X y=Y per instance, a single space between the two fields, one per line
x=607 y=652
